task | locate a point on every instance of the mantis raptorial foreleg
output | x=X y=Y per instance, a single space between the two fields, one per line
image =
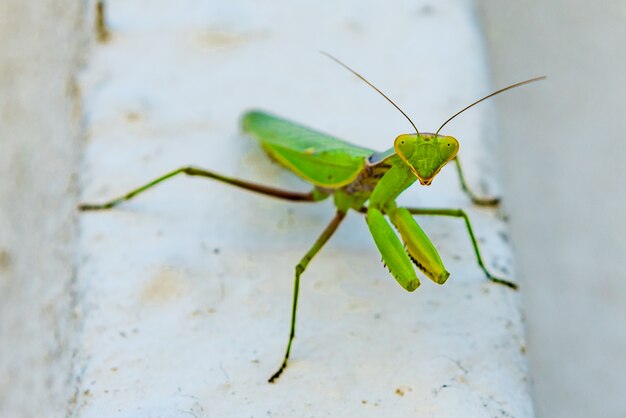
x=192 y=171
x=418 y=245
x=480 y=201
x=391 y=249
x=458 y=213
x=323 y=238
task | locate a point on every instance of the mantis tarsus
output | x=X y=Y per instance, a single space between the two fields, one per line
x=359 y=179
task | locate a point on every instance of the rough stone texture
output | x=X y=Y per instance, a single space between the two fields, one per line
x=186 y=291
x=39 y=151
x=564 y=147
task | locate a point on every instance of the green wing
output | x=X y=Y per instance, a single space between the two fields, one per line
x=319 y=158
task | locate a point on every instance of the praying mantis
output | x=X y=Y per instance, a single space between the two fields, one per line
x=360 y=180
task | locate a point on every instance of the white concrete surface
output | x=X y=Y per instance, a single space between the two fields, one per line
x=182 y=297
x=563 y=153
x=39 y=153
x=186 y=291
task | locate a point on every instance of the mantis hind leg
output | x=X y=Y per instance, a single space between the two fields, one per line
x=319 y=243
x=480 y=201
x=192 y=171
x=458 y=213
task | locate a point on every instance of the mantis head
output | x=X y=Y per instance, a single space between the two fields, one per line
x=425 y=153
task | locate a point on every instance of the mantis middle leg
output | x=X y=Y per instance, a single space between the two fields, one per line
x=323 y=238
x=458 y=213
x=480 y=201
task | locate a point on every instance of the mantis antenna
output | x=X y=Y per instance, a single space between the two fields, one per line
x=371 y=85
x=512 y=86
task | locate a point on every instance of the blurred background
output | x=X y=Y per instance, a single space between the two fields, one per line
x=562 y=150
x=563 y=180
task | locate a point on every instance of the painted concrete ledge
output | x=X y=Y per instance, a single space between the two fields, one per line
x=39 y=154
x=185 y=293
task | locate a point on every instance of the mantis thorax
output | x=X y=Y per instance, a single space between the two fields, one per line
x=426 y=153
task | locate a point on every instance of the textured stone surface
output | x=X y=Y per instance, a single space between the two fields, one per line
x=187 y=289
x=39 y=152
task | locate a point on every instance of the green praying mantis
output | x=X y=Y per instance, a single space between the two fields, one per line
x=361 y=180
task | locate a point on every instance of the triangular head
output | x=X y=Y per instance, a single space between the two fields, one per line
x=426 y=153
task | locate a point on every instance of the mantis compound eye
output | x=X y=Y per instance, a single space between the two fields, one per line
x=448 y=147
x=405 y=146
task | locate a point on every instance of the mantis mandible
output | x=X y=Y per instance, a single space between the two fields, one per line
x=361 y=180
